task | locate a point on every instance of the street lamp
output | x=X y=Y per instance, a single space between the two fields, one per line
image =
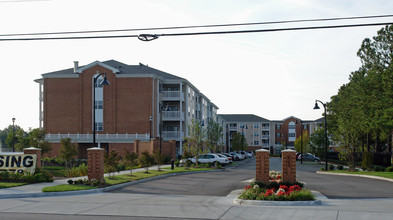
x=301 y=141
x=242 y=127
x=103 y=82
x=13 y=134
x=326 y=138
x=150 y=120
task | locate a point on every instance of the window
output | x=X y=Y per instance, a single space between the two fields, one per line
x=98 y=82
x=99 y=126
x=278 y=134
x=98 y=105
x=278 y=126
x=256 y=125
x=256 y=143
x=291 y=134
x=291 y=126
x=278 y=142
x=256 y=134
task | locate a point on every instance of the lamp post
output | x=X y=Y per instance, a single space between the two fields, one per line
x=301 y=141
x=326 y=138
x=242 y=127
x=103 y=82
x=150 y=121
x=13 y=134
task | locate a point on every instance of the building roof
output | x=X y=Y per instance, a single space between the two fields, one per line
x=242 y=118
x=122 y=69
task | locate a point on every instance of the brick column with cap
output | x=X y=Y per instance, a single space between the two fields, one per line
x=289 y=166
x=95 y=163
x=262 y=165
x=36 y=151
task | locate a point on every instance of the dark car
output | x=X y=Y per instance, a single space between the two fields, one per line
x=309 y=157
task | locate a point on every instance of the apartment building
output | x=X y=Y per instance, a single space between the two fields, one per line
x=139 y=104
x=263 y=133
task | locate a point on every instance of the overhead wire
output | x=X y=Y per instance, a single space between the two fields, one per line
x=201 y=26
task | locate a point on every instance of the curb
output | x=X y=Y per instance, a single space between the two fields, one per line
x=100 y=190
x=356 y=175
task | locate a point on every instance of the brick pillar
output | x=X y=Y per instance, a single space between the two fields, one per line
x=288 y=166
x=95 y=163
x=262 y=165
x=36 y=151
x=136 y=146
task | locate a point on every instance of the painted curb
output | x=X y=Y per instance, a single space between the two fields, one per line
x=356 y=175
x=277 y=203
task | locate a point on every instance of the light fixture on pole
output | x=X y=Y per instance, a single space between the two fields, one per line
x=103 y=82
x=242 y=127
x=301 y=141
x=13 y=134
x=150 y=121
x=326 y=138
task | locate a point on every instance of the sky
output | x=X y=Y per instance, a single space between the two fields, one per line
x=272 y=74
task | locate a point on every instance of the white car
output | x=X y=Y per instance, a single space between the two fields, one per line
x=211 y=158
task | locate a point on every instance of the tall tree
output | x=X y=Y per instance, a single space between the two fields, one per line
x=305 y=143
x=214 y=135
x=195 y=143
x=37 y=139
x=68 y=151
x=238 y=142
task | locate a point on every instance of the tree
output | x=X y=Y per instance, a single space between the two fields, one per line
x=214 y=134
x=159 y=159
x=68 y=151
x=195 y=143
x=20 y=139
x=238 y=142
x=111 y=162
x=130 y=159
x=145 y=160
x=317 y=142
x=37 y=139
x=306 y=142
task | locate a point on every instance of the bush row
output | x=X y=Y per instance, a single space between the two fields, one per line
x=38 y=177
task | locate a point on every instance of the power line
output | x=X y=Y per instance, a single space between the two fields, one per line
x=148 y=37
x=200 y=26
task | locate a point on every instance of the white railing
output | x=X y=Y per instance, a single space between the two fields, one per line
x=172 y=135
x=86 y=138
x=265 y=128
x=173 y=115
x=265 y=136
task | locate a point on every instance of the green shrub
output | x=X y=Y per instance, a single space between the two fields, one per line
x=70 y=182
x=177 y=163
x=340 y=167
x=331 y=167
x=77 y=171
x=389 y=169
x=367 y=161
x=322 y=168
x=379 y=168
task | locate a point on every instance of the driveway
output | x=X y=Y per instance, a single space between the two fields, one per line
x=222 y=183
x=208 y=184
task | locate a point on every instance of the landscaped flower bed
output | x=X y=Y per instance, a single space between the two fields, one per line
x=276 y=190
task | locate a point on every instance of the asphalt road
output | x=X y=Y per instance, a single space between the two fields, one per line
x=222 y=183
x=209 y=184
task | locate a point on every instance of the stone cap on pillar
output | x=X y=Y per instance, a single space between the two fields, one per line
x=95 y=148
x=31 y=148
x=288 y=150
x=262 y=150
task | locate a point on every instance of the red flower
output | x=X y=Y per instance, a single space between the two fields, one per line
x=269 y=192
x=248 y=187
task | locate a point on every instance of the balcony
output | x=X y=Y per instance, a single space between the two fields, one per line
x=265 y=136
x=172 y=96
x=265 y=128
x=172 y=135
x=172 y=116
x=88 y=138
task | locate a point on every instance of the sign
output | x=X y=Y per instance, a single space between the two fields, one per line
x=20 y=163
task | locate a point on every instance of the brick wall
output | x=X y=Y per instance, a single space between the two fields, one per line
x=262 y=165
x=289 y=165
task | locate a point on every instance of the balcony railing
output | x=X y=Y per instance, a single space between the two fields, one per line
x=88 y=138
x=265 y=128
x=265 y=136
x=172 y=115
x=172 y=135
x=172 y=95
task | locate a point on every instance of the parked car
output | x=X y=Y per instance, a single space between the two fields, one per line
x=235 y=156
x=250 y=154
x=227 y=156
x=240 y=155
x=209 y=158
x=308 y=157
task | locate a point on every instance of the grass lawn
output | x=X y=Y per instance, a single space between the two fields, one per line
x=118 y=179
x=7 y=185
x=66 y=187
x=370 y=173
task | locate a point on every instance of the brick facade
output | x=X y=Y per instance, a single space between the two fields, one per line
x=36 y=151
x=262 y=165
x=95 y=163
x=289 y=166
